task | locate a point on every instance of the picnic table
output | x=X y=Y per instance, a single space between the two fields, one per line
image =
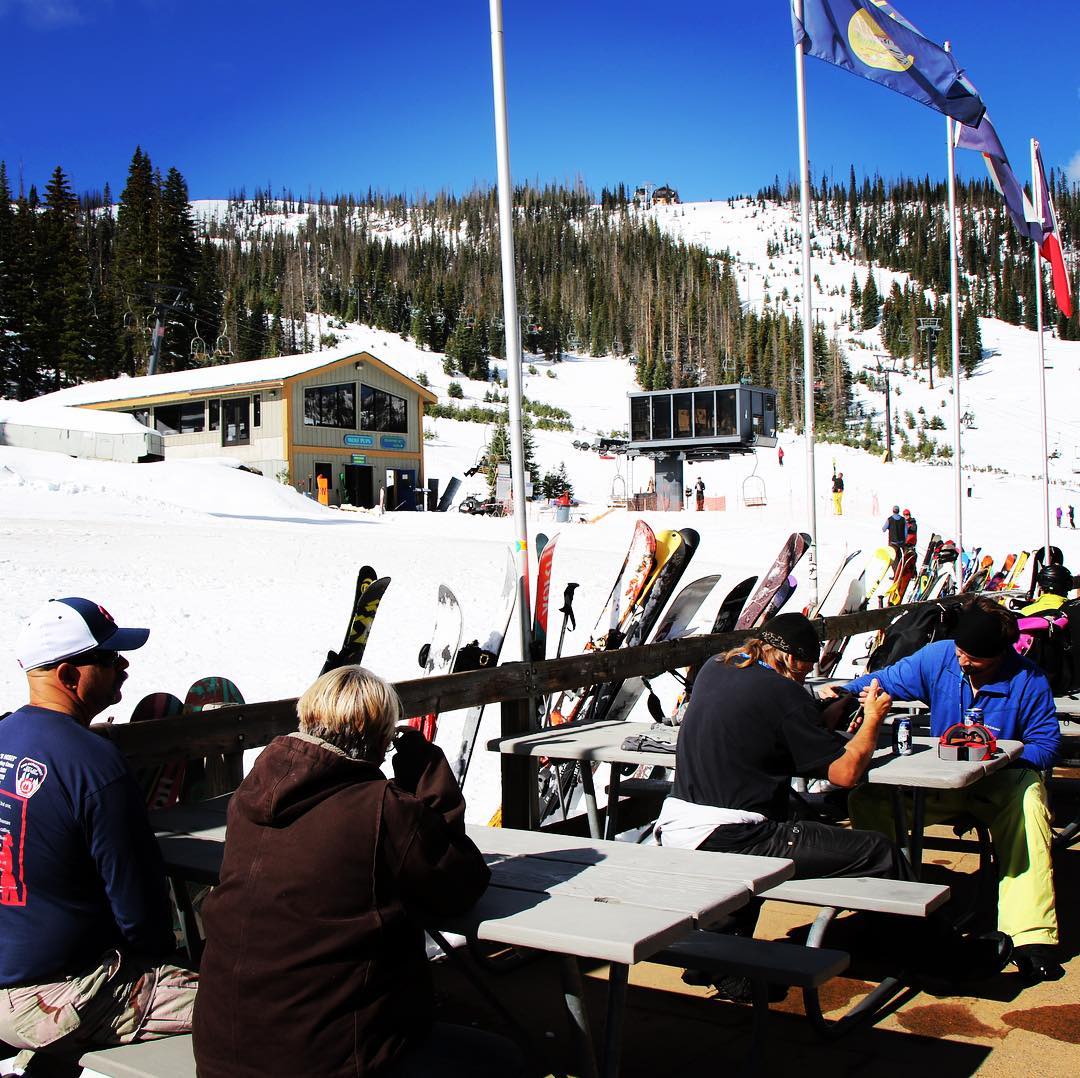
x=924 y=770
x=575 y=898
x=593 y=742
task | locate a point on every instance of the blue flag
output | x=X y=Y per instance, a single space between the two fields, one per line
x=870 y=38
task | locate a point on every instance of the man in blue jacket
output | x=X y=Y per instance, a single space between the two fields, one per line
x=84 y=911
x=980 y=668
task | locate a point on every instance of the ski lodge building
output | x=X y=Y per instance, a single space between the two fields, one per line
x=340 y=414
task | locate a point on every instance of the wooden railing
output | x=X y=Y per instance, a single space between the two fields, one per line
x=229 y=731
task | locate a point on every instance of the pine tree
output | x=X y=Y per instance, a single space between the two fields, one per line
x=63 y=286
x=136 y=265
x=498 y=449
x=178 y=261
x=856 y=300
x=870 y=303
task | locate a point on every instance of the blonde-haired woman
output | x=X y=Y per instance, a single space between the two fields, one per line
x=315 y=961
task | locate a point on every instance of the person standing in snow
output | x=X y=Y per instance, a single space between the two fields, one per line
x=896 y=528
x=1059 y=516
x=780 y=455
x=699 y=494
x=1072 y=518
x=911 y=530
x=838 y=493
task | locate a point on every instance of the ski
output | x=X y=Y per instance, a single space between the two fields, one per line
x=629 y=583
x=997 y=580
x=369 y=593
x=1012 y=581
x=439 y=654
x=790 y=555
x=929 y=569
x=815 y=611
x=490 y=652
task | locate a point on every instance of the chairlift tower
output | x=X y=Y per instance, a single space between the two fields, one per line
x=930 y=328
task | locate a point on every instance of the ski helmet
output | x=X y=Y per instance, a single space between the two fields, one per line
x=1055 y=580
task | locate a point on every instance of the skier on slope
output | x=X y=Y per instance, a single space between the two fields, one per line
x=896 y=527
x=911 y=530
x=838 y=493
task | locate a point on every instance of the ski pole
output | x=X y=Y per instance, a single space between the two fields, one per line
x=567 y=611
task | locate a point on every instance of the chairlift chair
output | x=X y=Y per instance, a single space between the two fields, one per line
x=223 y=346
x=753 y=489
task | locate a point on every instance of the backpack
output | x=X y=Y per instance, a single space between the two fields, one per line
x=912 y=630
x=1052 y=649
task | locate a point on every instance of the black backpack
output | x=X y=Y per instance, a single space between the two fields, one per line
x=913 y=629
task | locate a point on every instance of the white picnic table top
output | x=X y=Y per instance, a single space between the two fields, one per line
x=925 y=769
x=597 y=741
x=592 y=899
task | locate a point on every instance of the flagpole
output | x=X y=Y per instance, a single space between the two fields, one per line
x=511 y=321
x=1036 y=192
x=808 y=312
x=954 y=319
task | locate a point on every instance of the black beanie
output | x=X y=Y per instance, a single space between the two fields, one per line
x=980 y=634
x=794 y=634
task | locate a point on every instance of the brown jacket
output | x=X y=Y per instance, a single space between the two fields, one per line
x=315 y=960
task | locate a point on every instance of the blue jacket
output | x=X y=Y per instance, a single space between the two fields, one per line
x=1018 y=706
x=80 y=870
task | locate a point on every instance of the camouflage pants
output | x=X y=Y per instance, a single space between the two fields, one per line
x=118 y=1001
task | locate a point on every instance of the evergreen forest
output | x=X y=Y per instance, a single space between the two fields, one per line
x=87 y=282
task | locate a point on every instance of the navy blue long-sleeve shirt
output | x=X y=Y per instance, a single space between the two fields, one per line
x=80 y=870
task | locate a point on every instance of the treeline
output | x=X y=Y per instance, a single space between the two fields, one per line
x=903 y=225
x=84 y=281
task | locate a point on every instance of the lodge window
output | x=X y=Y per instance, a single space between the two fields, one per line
x=661 y=417
x=256 y=409
x=186 y=418
x=726 y=415
x=757 y=412
x=383 y=411
x=704 y=415
x=330 y=406
x=235 y=429
x=682 y=411
x=215 y=415
x=640 y=430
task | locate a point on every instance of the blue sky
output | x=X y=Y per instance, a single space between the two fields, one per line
x=334 y=96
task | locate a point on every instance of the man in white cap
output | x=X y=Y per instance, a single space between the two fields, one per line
x=84 y=909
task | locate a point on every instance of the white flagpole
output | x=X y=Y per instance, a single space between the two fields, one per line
x=807 y=314
x=1036 y=192
x=954 y=319
x=511 y=321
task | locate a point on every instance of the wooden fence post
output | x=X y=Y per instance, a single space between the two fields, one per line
x=520 y=793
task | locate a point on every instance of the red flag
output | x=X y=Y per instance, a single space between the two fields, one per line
x=1050 y=248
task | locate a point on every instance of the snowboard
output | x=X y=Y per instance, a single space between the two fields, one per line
x=542 y=604
x=215 y=775
x=675 y=625
x=439 y=654
x=663 y=586
x=162 y=783
x=903 y=575
x=783 y=593
x=860 y=592
x=798 y=543
x=491 y=651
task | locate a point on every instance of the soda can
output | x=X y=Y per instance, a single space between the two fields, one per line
x=903 y=737
x=973 y=716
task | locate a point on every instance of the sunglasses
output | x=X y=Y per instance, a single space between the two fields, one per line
x=96 y=657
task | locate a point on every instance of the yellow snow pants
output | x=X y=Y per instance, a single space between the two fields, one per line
x=1012 y=804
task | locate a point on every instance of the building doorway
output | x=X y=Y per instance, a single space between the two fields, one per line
x=359 y=488
x=402 y=495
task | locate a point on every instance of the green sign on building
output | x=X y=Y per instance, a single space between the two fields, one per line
x=359 y=458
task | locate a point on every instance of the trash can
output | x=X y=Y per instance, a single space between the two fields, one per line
x=562 y=514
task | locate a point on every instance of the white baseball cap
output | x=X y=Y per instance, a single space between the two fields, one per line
x=64 y=628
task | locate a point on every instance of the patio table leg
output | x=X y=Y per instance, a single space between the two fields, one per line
x=918 y=825
x=589 y=786
x=618 y=975
x=613 y=801
x=574 y=995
